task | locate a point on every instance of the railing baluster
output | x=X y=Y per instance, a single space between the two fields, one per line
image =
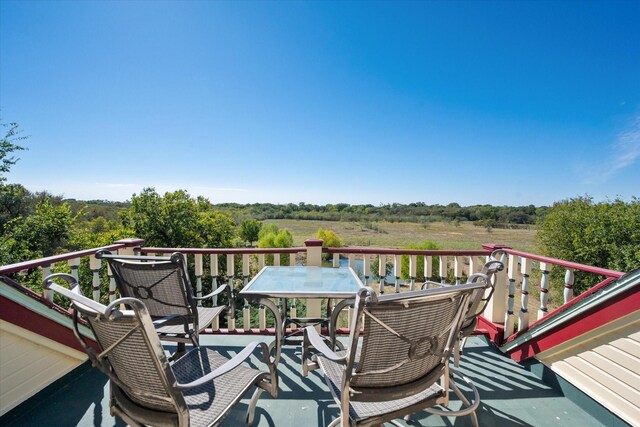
x=568 y=285
x=397 y=269
x=366 y=264
x=276 y=259
x=260 y=261
x=73 y=265
x=443 y=268
x=525 y=269
x=245 y=269
x=112 y=284
x=199 y=271
x=544 y=290
x=94 y=264
x=457 y=269
x=336 y=260
x=382 y=271
x=48 y=294
x=413 y=267
x=231 y=273
x=509 y=321
x=352 y=260
x=428 y=267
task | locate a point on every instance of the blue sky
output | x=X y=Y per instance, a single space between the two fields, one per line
x=474 y=102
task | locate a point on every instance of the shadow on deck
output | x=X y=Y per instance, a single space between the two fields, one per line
x=510 y=396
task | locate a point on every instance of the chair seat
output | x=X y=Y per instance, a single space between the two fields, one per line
x=211 y=401
x=206 y=315
x=362 y=410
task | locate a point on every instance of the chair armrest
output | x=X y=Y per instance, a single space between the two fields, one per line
x=428 y=283
x=219 y=290
x=225 y=287
x=311 y=338
x=232 y=363
x=161 y=322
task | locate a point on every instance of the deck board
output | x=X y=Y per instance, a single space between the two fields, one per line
x=511 y=396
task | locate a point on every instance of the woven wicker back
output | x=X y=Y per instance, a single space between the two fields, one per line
x=163 y=286
x=133 y=355
x=406 y=339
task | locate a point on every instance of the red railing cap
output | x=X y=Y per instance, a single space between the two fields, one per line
x=313 y=242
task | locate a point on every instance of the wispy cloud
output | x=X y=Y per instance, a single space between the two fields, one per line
x=625 y=151
x=626 y=148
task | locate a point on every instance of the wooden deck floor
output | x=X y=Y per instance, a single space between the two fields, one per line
x=510 y=395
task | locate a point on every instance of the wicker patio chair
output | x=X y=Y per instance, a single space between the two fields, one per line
x=163 y=285
x=199 y=389
x=400 y=364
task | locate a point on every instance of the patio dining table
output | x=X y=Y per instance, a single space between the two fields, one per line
x=284 y=283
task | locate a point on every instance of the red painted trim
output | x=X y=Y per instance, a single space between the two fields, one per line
x=620 y=306
x=567 y=264
x=493 y=331
x=388 y=251
x=223 y=251
x=21 y=316
x=313 y=242
x=42 y=262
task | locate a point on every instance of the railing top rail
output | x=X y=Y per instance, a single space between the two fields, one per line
x=43 y=262
x=566 y=264
x=388 y=251
x=224 y=251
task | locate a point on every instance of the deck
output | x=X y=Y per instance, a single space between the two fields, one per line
x=511 y=396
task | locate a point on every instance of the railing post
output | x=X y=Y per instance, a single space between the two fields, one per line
x=497 y=305
x=509 y=321
x=544 y=290
x=314 y=259
x=457 y=269
x=568 y=285
x=525 y=269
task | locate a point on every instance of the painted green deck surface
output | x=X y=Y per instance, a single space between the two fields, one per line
x=510 y=395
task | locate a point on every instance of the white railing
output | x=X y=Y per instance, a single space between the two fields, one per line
x=238 y=265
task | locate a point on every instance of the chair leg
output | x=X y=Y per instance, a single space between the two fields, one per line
x=251 y=411
x=471 y=406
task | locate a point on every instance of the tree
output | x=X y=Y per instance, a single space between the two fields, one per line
x=41 y=234
x=176 y=220
x=275 y=238
x=603 y=234
x=330 y=238
x=7 y=146
x=250 y=230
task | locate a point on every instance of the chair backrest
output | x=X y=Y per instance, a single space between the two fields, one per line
x=130 y=353
x=407 y=340
x=162 y=283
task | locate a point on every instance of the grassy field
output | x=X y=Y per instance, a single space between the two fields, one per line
x=402 y=234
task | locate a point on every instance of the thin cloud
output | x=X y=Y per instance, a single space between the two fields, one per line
x=625 y=152
x=627 y=148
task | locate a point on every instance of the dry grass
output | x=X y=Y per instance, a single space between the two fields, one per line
x=403 y=234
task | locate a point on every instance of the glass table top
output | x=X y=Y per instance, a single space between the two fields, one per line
x=304 y=282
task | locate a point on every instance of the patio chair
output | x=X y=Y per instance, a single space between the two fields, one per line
x=163 y=285
x=478 y=300
x=199 y=389
x=400 y=364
